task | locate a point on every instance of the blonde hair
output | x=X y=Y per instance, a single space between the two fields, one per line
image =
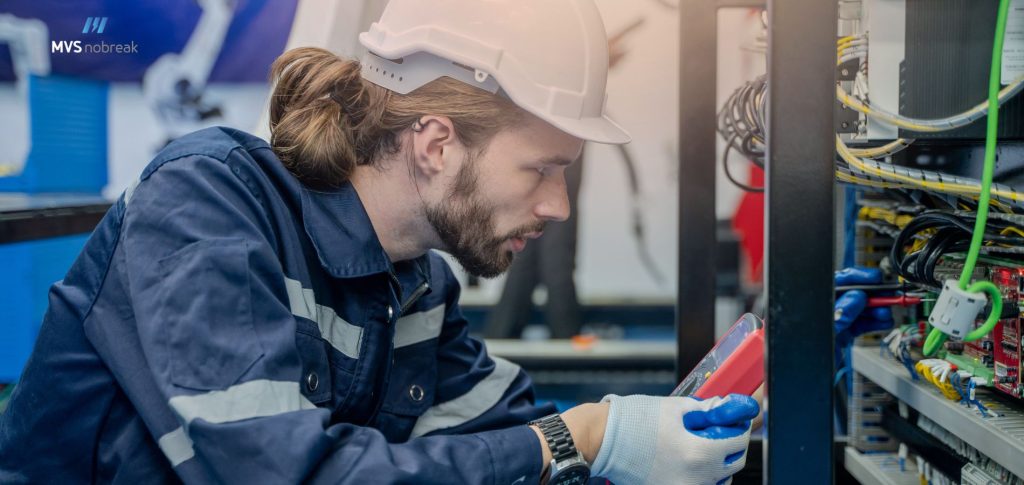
x=325 y=119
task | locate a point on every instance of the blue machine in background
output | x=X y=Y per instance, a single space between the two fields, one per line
x=29 y=270
x=68 y=141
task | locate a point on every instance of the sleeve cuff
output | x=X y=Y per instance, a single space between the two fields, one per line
x=515 y=455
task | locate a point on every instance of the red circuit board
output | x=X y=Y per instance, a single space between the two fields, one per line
x=1000 y=350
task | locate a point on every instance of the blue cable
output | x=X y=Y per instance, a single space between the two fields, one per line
x=839 y=375
x=954 y=379
x=905 y=360
x=981 y=407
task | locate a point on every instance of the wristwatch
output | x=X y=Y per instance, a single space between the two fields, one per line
x=567 y=464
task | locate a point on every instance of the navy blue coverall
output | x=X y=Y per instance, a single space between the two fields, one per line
x=227 y=324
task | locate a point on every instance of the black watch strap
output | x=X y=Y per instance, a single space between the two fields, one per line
x=558 y=437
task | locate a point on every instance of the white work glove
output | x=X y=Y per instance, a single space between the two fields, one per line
x=674 y=440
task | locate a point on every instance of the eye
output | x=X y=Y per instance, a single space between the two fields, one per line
x=542 y=170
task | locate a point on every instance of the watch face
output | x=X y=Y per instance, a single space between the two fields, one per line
x=577 y=474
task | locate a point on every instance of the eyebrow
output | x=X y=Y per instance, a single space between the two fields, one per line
x=556 y=160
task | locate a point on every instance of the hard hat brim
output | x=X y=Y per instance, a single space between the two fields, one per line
x=597 y=129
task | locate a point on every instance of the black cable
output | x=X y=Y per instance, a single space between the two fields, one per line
x=638 y=221
x=950 y=245
x=951 y=233
x=941 y=243
x=741 y=120
x=728 y=175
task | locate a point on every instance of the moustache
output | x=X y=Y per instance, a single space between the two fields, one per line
x=524 y=230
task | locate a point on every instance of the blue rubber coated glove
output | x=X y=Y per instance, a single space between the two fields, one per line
x=675 y=440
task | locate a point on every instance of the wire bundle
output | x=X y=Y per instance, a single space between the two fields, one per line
x=741 y=120
x=741 y=124
x=937 y=373
x=855 y=47
x=937 y=233
x=854 y=166
x=873 y=173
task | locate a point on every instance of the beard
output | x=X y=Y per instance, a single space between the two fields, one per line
x=465 y=224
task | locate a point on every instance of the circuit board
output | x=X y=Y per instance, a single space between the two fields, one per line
x=997 y=355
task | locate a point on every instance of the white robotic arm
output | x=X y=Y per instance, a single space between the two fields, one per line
x=173 y=86
x=27 y=39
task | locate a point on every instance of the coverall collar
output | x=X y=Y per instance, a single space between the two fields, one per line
x=346 y=244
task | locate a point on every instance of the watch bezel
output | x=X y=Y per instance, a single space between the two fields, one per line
x=568 y=465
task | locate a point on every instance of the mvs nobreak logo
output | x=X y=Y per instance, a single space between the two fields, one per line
x=93 y=25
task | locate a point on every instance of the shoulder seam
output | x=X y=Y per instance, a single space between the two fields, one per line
x=151 y=170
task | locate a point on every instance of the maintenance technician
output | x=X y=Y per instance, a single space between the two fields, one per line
x=254 y=313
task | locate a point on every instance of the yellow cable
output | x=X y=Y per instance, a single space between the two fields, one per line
x=889 y=216
x=845 y=177
x=945 y=387
x=857 y=105
x=1011 y=229
x=881 y=151
x=936 y=186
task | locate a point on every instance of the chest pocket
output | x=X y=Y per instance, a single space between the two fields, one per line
x=205 y=303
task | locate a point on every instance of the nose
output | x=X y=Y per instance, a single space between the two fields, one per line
x=554 y=204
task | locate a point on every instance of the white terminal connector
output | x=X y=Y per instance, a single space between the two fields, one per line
x=956 y=310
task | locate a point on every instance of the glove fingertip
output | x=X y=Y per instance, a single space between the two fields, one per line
x=737 y=408
x=696 y=420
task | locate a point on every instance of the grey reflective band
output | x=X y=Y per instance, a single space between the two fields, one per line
x=177 y=446
x=419 y=327
x=253 y=399
x=342 y=335
x=483 y=396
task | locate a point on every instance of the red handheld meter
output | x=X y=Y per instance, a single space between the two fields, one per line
x=734 y=365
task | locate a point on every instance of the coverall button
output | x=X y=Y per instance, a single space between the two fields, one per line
x=391 y=313
x=312 y=382
x=416 y=392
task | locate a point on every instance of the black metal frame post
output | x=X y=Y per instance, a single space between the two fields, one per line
x=800 y=240
x=695 y=301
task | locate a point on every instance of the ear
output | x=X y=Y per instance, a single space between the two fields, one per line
x=431 y=136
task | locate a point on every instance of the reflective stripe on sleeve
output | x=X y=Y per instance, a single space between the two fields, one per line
x=251 y=399
x=177 y=446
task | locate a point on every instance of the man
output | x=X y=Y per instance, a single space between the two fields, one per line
x=254 y=313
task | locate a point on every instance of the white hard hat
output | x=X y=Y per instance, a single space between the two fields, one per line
x=550 y=57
